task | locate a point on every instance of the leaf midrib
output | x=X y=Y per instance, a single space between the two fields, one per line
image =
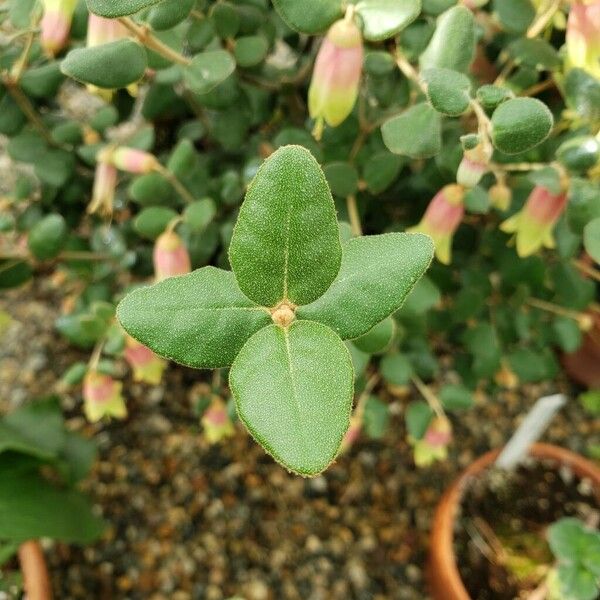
x=288 y=353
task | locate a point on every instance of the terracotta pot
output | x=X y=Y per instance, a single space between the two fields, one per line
x=35 y=573
x=583 y=365
x=444 y=576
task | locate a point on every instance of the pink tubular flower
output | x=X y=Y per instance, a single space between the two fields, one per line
x=56 y=24
x=133 y=160
x=442 y=218
x=533 y=224
x=336 y=76
x=170 y=256
x=147 y=366
x=216 y=422
x=583 y=36
x=434 y=444
x=473 y=166
x=103 y=194
x=353 y=433
x=102 y=397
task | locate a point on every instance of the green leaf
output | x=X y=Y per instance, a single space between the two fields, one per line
x=381 y=170
x=376 y=417
x=199 y=214
x=207 y=70
x=47 y=237
x=309 y=16
x=31 y=508
x=520 y=124
x=579 y=153
x=490 y=96
x=417 y=132
x=567 y=334
x=456 y=397
x=577 y=582
x=383 y=19
x=152 y=221
x=591 y=239
x=286 y=243
x=534 y=53
x=591 y=401
x=515 y=15
x=417 y=416
x=169 y=13
x=582 y=94
x=200 y=320
x=293 y=389
x=448 y=90
x=14 y=273
x=566 y=539
x=110 y=66
x=250 y=50
x=118 y=8
x=396 y=369
x=453 y=43
x=342 y=178
x=376 y=275
x=377 y=339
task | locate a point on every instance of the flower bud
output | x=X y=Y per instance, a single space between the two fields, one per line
x=474 y=165
x=336 y=76
x=102 y=397
x=56 y=24
x=533 y=224
x=583 y=36
x=434 y=444
x=170 y=256
x=216 y=422
x=133 y=160
x=442 y=218
x=147 y=366
x=103 y=193
x=500 y=196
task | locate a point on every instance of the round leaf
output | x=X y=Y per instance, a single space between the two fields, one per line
x=378 y=339
x=417 y=132
x=293 y=389
x=448 y=91
x=118 y=8
x=110 y=66
x=309 y=16
x=591 y=239
x=151 y=222
x=207 y=70
x=342 y=178
x=199 y=214
x=286 y=243
x=47 y=237
x=520 y=124
x=383 y=19
x=250 y=50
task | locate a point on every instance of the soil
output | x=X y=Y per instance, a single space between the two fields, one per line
x=500 y=539
x=190 y=521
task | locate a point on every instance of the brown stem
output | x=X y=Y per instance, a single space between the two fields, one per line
x=430 y=397
x=589 y=271
x=543 y=19
x=152 y=42
x=35 y=573
x=172 y=179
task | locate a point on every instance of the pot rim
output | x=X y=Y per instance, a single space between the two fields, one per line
x=36 y=580
x=444 y=576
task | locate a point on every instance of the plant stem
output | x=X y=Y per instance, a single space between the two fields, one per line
x=179 y=187
x=557 y=310
x=153 y=43
x=589 y=271
x=430 y=397
x=543 y=19
x=354 y=216
x=27 y=108
x=409 y=71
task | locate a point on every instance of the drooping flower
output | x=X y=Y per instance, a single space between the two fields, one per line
x=147 y=366
x=216 y=422
x=102 y=397
x=56 y=24
x=103 y=193
x=442 y=218
x=583 y=36
x=103 y=31
x=474 y=165
x=433 y=446
x=336 y=76
x=133 y=160
x=533 y=224
x=170 y=256
x=500 y=196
